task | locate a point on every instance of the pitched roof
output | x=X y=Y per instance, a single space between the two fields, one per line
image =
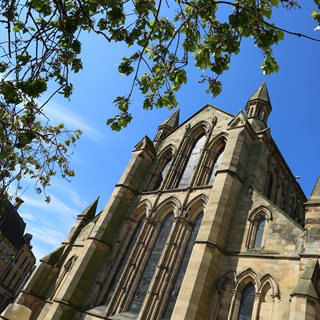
x=90 y=211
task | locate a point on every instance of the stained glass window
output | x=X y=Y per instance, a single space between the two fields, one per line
x=216 y=166
x=182 y=270
x=151 y=265
x=162 y=174
x=192 y=162
x=123 y=262
x=259 y=232
x=247 y=302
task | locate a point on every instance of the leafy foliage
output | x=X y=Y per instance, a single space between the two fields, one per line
x=43 y=46
x=31 y=147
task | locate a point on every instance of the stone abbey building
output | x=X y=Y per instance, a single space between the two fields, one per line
x=206 y=223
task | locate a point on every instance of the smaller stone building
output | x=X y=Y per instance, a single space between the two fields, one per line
x=16 y=258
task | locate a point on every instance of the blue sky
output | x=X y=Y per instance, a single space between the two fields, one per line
x=101 y=155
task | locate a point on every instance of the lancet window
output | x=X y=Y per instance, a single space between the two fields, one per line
x=210 y=163
x=246 y=296
x=123 y=262
x=160 y=171
x=216 y=166
x=257 y=228
x=247 y=302
x=177 y=285
x=152 y=268
x=259 y=232
x=151 y=264
x=192 y=162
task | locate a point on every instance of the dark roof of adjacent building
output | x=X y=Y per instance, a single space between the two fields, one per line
x=12 y=226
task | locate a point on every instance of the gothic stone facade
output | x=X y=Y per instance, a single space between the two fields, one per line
x=206 y=222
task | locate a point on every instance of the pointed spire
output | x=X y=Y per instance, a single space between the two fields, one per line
x=315 y=194
x=172 y=121
x=166 y=127
x=261 y=94
x=90 y=211
x=258 y=108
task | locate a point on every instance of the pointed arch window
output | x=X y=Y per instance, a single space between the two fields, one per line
x=247 y=302
x=162 y=174
x=151 y=265
x=123 y=262
x=176 y=288
x=259 y=232
x=216 y=166
x=257 y=228
x=192 y=162
x=160 y=170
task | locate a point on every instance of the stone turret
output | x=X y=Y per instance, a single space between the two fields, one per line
x=258 y=108
x=166 y=127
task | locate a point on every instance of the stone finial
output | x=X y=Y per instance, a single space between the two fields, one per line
x=90 y=211
x=172 y=121
x=145 y=144
x=315 y=194
x=167 y=126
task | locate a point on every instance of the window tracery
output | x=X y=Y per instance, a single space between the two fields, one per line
x=192 y=162
x=210 y=161
x=123 y=262
x=249 y=296
x=182 y=269
x=160 y=170
x=150 y=266
x=188 y=154
x=216 y=166
x=157 y=263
